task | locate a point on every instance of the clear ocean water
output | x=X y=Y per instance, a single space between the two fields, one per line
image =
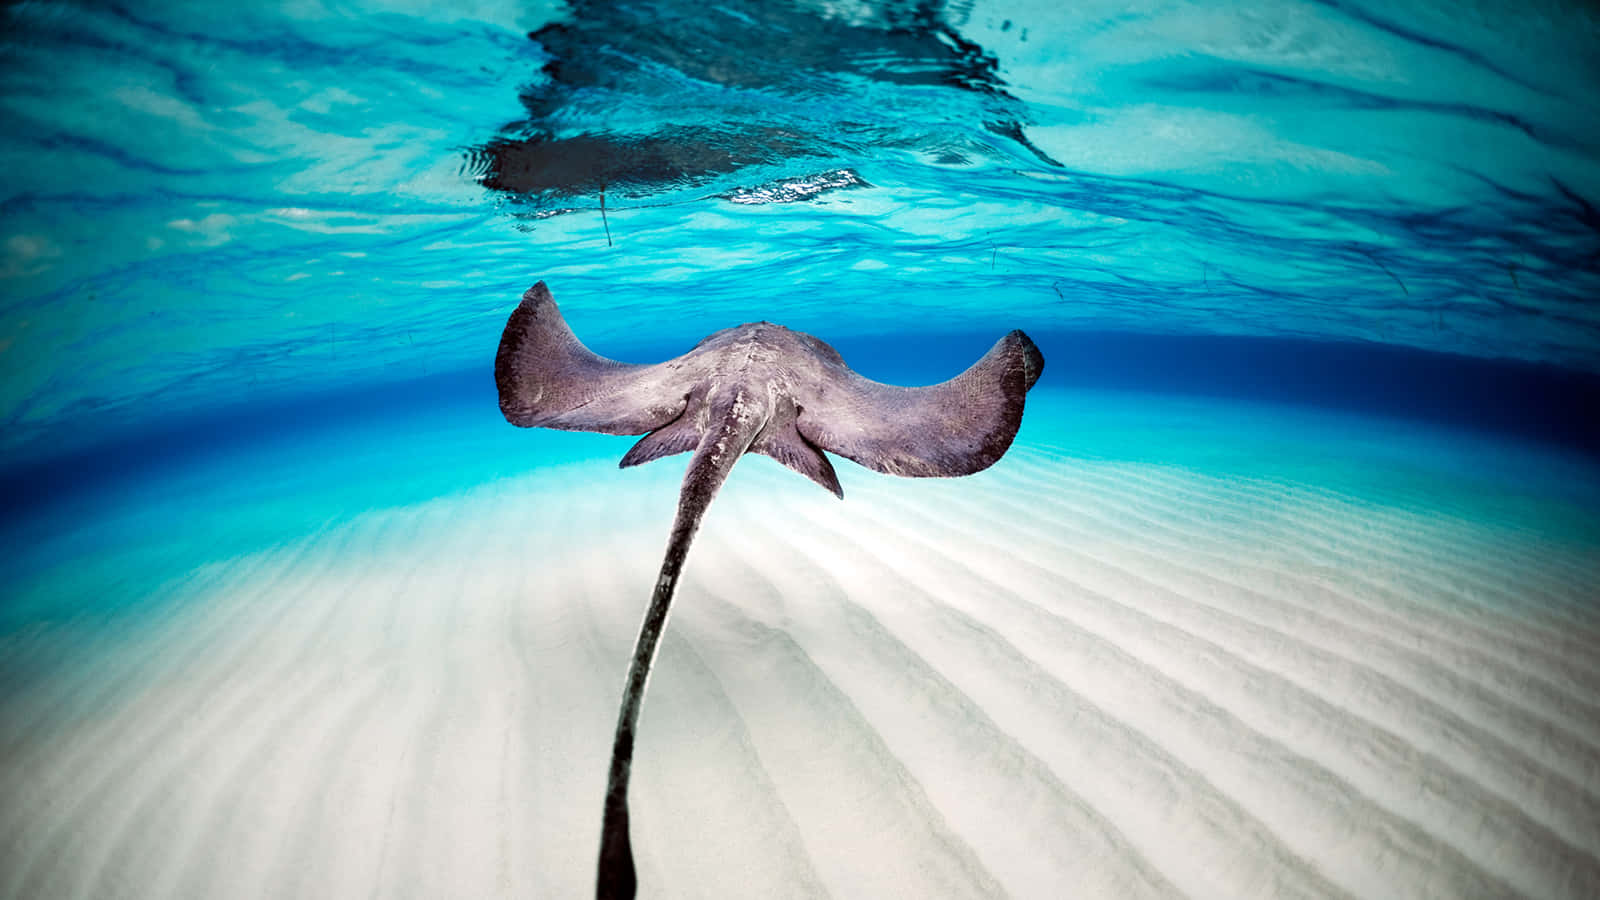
x=1290 y=584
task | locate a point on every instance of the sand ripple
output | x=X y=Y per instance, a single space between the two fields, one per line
x=1063 y=677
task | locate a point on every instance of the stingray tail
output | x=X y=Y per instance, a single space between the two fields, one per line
x=718 y=450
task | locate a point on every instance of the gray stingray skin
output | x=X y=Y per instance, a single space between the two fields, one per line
x=755 y=388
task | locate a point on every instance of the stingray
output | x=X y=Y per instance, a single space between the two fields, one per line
x=755 y=388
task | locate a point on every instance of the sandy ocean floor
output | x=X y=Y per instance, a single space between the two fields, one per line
x=1221 y=667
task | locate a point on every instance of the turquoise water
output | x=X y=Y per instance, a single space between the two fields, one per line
x=1296 y=554
x=118 y=543
x=205 y=209
x=234 y=231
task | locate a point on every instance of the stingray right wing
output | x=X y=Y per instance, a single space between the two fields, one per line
x=549 y=379
x=955 y=428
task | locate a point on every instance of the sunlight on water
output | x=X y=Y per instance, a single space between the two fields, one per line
x=213 y=207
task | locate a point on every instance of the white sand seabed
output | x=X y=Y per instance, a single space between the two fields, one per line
x=1062 y=677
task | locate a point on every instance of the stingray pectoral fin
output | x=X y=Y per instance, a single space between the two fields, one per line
x=548 y=378
x=784 y=443
x=958 y=427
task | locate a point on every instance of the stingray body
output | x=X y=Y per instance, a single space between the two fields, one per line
x=758 y=388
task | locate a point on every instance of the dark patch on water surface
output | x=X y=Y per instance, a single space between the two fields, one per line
x=633 y=164
x=754 y=45
x=638 y=98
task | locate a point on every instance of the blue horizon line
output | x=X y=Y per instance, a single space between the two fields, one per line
x=1536 y=401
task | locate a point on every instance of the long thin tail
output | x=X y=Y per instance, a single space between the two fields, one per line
x=719 y=449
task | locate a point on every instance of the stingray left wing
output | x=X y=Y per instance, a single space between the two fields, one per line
x=955 y=428
x=549 y=379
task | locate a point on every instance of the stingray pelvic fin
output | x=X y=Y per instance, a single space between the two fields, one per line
x=784 y=443
x=678 y=436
